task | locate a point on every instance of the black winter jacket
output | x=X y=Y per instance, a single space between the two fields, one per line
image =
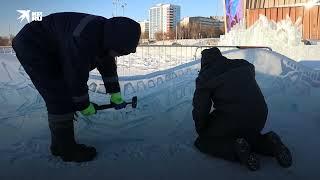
x=81 y=43
x=230 y=87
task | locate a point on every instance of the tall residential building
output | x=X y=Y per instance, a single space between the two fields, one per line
x=144 y=27
x=163 y=18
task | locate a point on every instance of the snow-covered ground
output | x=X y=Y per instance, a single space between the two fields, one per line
x=155 y=140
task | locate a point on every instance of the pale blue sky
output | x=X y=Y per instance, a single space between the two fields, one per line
x=135 y=9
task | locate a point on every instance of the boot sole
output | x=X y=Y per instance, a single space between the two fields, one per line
x=281 y=152
x=245 y=155
x=253 y=162
x=87 y=158
x=65 y=159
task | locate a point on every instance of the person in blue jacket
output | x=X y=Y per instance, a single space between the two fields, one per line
x=58 y=53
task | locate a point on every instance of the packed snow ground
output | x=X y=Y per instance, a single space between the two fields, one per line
x=155 y=140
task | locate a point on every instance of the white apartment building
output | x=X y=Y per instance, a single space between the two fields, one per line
x=144 y=26
x=163 y=18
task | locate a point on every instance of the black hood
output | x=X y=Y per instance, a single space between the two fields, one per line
x=210 y=56
x=121 y=34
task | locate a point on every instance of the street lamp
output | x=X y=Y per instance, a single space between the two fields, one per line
x=123 y=5
x=115 y=5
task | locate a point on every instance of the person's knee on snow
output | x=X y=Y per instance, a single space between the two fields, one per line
x=227 y=86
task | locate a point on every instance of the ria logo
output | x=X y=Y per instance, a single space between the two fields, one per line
x=25 y=15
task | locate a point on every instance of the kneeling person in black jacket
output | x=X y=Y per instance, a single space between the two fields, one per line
x=58 y=53
x=232 y=131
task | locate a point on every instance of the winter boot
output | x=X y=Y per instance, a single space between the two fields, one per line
x=244 y=154
x=63 y=143
x=279 y=150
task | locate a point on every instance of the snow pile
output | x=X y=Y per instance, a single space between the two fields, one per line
x=161 y=128
x=265 y=32
x=283 y=37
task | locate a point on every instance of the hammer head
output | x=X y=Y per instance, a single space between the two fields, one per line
x=134 y=101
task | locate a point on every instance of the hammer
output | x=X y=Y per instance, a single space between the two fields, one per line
x=108 y=106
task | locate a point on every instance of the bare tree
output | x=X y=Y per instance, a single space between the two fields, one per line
x=144 y=35
x=171 y=34
x=159 y=36
x=218 y=31
x=185 y=32
x=4 y=41
x=196 y=30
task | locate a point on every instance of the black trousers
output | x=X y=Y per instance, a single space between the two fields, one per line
x=224 y=147
x=44 y=70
